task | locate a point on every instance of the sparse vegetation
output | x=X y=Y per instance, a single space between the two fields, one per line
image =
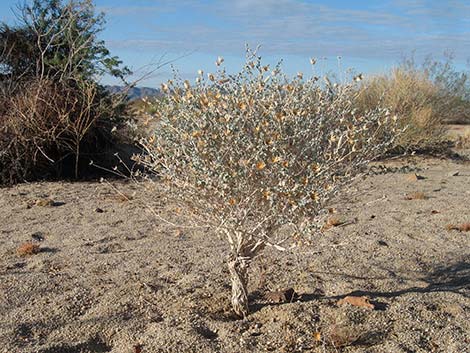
x=255 y=171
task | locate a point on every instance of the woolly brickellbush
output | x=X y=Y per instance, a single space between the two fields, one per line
x=257 y=151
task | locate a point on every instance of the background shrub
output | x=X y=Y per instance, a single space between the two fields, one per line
x=453 y=85
x=414 y=99
x=54 y=112
x=49 y=124
x=425 y=97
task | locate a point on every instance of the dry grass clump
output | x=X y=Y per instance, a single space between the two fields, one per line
x=463 y=141
x=414 y=99
x=28 y=249
x=257 y=150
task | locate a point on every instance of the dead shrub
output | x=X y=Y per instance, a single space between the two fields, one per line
x=47 y=124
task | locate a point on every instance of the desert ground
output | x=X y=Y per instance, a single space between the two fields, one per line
x=109 y=275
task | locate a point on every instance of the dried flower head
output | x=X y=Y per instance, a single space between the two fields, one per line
x=219 y=61
x=358 y=78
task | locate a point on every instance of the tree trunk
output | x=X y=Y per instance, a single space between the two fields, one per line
x=238 y=267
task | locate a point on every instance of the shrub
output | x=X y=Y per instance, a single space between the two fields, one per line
x=453 y=85
x=53 y=110
x=414 y=99
x=47 y=123
x=257 y=151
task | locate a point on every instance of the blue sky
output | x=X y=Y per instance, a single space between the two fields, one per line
x=370 y=36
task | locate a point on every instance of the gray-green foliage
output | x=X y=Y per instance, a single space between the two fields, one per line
x=257 y=151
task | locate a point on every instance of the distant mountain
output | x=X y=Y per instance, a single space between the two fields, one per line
x=135 y=92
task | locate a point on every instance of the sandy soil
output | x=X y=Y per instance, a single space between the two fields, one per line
x=111 y=277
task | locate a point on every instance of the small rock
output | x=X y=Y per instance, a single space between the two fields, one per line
x=454 y=173
x=99 y=210
x=27 y=249
x=38 y=236
x=361 y=302
x=415 y=177
x=383 y=243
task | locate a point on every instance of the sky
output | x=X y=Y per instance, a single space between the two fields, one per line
x=369 y=36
